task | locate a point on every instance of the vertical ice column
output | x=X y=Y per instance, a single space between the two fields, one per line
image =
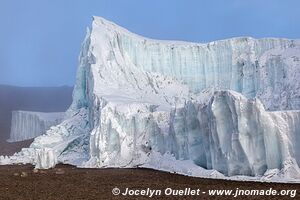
x=27 y=125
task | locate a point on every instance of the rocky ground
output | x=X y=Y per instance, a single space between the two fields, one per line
x=67 y=182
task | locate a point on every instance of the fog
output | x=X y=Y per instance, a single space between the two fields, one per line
x=43 y=99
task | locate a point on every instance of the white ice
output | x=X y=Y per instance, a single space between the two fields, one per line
x=27 y=125
x=198 y=109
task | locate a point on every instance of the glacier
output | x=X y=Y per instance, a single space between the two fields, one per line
x=27 y=125
x=227 y=108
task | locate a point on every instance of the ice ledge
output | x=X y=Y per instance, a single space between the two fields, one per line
x=111 y=26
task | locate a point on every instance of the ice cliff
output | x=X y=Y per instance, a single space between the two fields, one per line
x=27 y=125
x=198 y=109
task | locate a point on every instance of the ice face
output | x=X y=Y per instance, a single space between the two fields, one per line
x=266 y=68
x=27 y=125
x=139 y=101
x=231 y=134
x=251 y=67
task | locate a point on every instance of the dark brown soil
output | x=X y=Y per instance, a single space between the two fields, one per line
x=67 y=182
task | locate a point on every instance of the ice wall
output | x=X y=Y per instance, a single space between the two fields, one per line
x=125 y=126
x=267 y=68
x=137 y=100
x=248 y=140
x=231 y=134
x=27 y=125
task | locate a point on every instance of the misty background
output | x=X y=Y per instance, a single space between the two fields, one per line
x=40 y=39
x=43 y=99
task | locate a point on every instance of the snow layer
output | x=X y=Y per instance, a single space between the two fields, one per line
x=139 y=102
x=27 y=125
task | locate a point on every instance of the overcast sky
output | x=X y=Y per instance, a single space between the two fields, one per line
x=40 y=39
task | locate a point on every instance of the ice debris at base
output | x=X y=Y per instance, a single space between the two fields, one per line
x=27 y=125
x=194 y=109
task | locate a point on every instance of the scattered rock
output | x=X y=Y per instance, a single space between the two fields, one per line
x=42 y=171
x=59 y=171
x=24 y=174
x=35 y=171
x=16 y=174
